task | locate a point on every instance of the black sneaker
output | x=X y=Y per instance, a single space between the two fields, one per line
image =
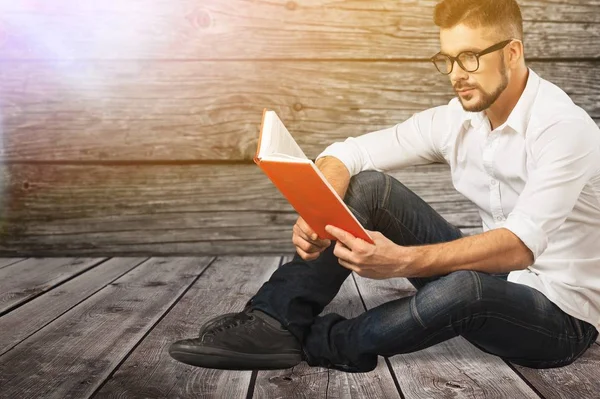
x=215 y=322
x=247 y=340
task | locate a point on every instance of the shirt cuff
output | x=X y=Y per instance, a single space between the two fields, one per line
x=530 y=233
x=342 y=151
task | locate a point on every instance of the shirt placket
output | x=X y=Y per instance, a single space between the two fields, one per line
x=493 y=183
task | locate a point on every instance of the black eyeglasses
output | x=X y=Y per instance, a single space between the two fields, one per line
x=467 y=60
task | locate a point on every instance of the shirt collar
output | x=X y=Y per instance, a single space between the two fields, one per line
x=519 y=116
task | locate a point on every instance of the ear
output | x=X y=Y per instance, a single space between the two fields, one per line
x=515 y=53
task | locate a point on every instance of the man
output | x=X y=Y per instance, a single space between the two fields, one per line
x=527 y=289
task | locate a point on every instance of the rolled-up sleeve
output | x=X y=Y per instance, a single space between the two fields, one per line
x=564 y=156
x=415 y=141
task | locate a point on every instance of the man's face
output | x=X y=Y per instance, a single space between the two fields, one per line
x=489 y=81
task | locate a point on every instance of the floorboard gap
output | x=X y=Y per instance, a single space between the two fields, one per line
x=42 y=292
x=387 y=361
x=150 y=329
x=521 y=376
x=252 y=384
x=69 y=309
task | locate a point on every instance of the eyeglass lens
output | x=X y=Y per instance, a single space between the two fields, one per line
x=468 y=60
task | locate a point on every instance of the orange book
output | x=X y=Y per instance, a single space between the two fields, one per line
x=301 y=182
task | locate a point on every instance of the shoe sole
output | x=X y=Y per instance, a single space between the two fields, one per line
x=226 y=360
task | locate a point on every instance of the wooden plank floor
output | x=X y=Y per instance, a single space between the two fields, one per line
x=100 y=327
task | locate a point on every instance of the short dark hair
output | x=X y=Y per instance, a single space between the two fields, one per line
x=504 y=16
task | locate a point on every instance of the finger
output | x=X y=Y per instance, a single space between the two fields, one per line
x=304 y=245
x=298 y=232
x=306 y=256
x=349 y=266
x=303 y=234
x=341 y=235
x=306 y=229
x=310 y=235
x=342 y=252
x=318 y=242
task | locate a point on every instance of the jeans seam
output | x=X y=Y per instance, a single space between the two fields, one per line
x=450 y=225
x=350 y=191
x=478 y=285
x=449 y=326
x=359 y=187
x=565 y=337
x=388 y=189
x=578 y=328
x=403 y=225
x=385 y=202
x=428 y=338
x=358 y=215
x=502 y=316
x=415 y=312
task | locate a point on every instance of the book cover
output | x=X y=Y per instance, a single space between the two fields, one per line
x=301 y=182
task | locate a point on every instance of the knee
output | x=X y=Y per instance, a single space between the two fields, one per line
x=366 y=181
x=368 y=188
x=464 y=284
x=458 y=289
x=368 y=177
x=455 y=297
x=377 y=187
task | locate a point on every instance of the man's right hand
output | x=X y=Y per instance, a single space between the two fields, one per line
x=307 y=247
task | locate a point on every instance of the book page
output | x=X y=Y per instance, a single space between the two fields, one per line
x=276 y=140
x=285 y=158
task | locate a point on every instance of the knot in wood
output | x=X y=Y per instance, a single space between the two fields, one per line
x=453 y=385
x=199 y=19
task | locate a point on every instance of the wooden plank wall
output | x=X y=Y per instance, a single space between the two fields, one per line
x=128 y=128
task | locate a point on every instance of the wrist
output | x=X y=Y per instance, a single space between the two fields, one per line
x=409 y=261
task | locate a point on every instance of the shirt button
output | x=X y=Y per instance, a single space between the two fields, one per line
x=499 y=218
x=493 y=182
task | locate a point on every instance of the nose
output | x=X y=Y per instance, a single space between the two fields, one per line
x=458 y=73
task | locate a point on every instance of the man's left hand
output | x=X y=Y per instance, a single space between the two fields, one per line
x=380 y=261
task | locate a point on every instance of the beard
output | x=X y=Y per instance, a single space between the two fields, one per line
x=487 y=99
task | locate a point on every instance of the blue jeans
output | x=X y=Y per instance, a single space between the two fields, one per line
x=509 y=320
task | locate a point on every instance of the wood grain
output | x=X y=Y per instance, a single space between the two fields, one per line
x=32 y=316
x=580 y=379
x=149 y=370
x=74 y=354
x=190 y=111
x=196 y=209
x=186 y=29
x=304 y=381
x=25 y=280
x=452 y=368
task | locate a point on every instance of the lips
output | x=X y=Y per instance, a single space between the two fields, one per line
x=464 y=92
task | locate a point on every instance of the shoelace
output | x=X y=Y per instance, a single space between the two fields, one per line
x=234 y=321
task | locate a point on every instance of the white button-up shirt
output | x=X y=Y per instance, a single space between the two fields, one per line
x=537 y=175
